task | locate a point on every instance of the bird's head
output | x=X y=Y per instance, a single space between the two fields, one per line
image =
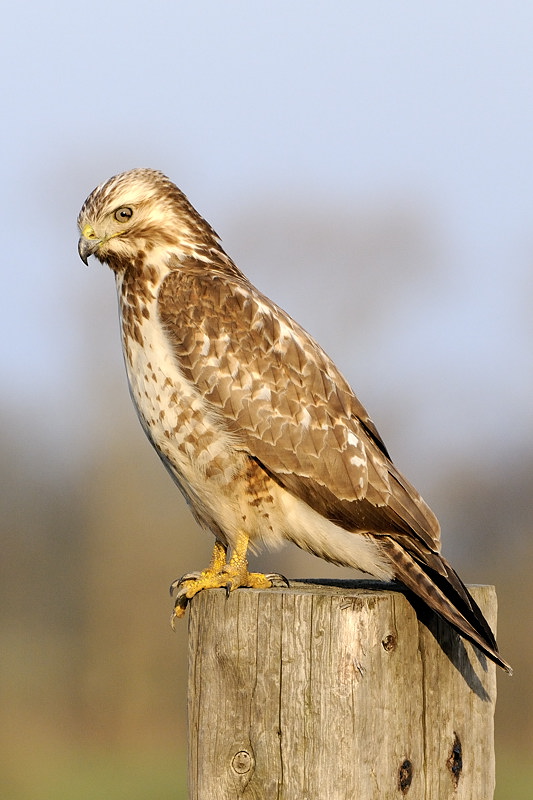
x=136 y=212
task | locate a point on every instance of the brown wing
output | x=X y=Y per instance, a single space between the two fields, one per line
x=288 y=405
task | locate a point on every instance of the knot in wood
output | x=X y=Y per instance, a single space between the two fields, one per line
x=455 y=760
x=405 y=776
x=242 y=762
x=389 y=643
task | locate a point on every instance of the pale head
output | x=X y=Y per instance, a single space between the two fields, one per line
x=136 y=211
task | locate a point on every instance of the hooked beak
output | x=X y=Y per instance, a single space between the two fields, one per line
x=86 y=248
x=88 y=244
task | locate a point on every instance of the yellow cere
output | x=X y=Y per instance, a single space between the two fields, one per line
x=88 y=232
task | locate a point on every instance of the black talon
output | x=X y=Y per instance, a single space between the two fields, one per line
x=189 y=576
x=276 y=576
x=181 y=602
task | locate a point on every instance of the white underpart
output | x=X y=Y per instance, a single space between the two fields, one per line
x=316 y=534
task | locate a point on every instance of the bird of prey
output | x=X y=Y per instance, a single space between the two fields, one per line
x=254 y=422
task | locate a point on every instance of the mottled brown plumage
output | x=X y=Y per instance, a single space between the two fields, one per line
x=254 y=422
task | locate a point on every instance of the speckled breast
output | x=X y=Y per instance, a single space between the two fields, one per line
x=184 y=431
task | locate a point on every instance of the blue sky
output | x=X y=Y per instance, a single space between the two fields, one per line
x=283 y=109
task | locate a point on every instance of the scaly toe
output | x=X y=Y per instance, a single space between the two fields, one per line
x=232 y=576
x=255 y=580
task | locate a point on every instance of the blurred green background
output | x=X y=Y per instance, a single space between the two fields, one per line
x=371 y=169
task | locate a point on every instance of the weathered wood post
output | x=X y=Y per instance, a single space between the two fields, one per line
x=336 y=691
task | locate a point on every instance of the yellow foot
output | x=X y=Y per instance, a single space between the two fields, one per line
x=219 y=575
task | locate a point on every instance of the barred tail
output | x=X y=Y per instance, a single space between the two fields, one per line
x=439 y=586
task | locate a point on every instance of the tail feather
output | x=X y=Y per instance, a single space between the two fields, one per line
x=445 y=593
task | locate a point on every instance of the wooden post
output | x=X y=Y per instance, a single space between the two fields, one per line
x=336 y=691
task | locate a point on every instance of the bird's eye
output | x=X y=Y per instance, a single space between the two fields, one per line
x=123 y=214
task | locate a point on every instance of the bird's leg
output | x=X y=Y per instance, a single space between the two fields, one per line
x=221 y=575
x=191 y=583
x=218 y=559
x=236 y=570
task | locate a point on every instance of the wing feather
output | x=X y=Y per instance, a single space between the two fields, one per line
x=287 y=405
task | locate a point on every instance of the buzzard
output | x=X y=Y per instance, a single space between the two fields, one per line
x=256 y=425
